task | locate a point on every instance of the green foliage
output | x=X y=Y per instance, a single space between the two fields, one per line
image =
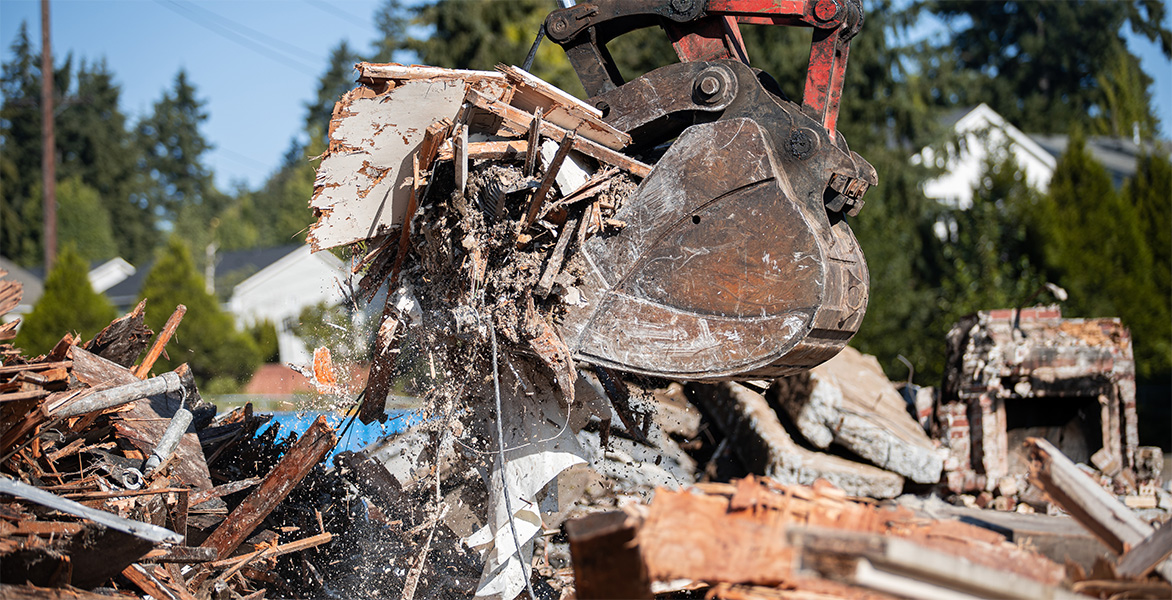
x=69 y=303
x=471 y=34
x=993 y=257
x=1148 y=193
x=264 y=335
x=92 y=144
x=207 y=339
x=172 y=147
x=1043 y=64
x=82 y=220
x=1096 y=248
x=280 y=209
x=1127 y=98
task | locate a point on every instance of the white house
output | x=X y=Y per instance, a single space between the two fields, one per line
x=110 y=273
x=281 y=289
x=980 y=131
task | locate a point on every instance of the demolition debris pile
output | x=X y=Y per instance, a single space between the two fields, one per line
x=124 y=483
x=471 y=195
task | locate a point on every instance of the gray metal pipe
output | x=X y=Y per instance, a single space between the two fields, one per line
x=170 y=440
x=117 y=396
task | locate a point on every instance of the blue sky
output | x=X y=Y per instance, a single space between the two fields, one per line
x=255 y=89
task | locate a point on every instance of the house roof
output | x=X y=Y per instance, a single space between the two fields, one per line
x=33 y=286
x=232 y=267
x=1118 y=155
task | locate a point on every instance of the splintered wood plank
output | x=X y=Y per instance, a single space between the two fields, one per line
x=142 y=370
x=1088 y=503
x=1146 y=555
x=10 y=293
x=306 y=452
x=499 y=150
x=606 y=560
x=42 y=366
x=547 y=181
x=562 y=109
x=124 y=338
x=397 y=72
x=519 y=120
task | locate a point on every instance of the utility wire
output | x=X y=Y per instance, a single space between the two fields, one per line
x=336 y=11
x=270 y=53
x=275 y=43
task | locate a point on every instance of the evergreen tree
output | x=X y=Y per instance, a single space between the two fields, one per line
x=180 y=188
x=1096 y=249
x=207 y=340
x=20 y=153
x=280 y=209
x=995 y=257
x=391 y=20
x=1148 y=191
x=69 y=303
x=1043 y=64
x=96 y=146
x=470 y=34
x=92 y=143
x=82 y=220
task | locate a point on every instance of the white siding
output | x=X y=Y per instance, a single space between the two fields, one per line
x=980 y=131
x=282 y=290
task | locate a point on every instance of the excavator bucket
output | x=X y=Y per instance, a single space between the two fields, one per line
x=733 y=257
x=737 y=260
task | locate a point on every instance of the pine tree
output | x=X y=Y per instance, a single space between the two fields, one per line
x=1148 y=191
x=1096 y=249
x=207 y=339
x=20 y=153
x=173 y=148
x=994 y=259
x=97 y=147
x=1042 y=64
x=69 y=303
x=92 y=143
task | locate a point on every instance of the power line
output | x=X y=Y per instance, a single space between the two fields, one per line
x=275 y=43
x=219 y=30
x=335 y=10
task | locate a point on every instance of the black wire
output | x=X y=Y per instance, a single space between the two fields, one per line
x=533 y=49
x=186 y=12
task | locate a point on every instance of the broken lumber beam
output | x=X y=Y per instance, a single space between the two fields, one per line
x=1143 y=557
x=765 y=448
x=164 y=336
x=1088 y=503
x=124 y=338
x=180 y=554
x=850 y=402
x=520 y=120
x=607 y=563
x=562 y=109
x=551 y=172
x=275 y=551
x=32 y=592
x=497 y=150
x=907 y=569
x=42 y=366
x=305 y=453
